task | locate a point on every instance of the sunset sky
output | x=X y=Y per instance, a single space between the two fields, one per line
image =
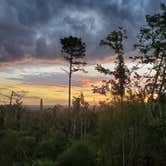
x=30 y=57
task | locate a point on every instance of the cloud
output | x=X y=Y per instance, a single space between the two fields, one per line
x=57 y=79
x=49 y=79
x=34 y=27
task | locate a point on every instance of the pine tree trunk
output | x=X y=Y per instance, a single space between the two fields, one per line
x=69 y=100
x=162 y=82
x=156 y=80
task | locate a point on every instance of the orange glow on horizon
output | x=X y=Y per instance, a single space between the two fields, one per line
x=51 y=95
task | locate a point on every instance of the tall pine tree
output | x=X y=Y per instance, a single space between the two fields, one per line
x=152 y=45
x=73 y=50
x=120 y=74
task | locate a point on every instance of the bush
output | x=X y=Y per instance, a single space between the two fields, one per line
x=77 y=154
x=53 y=143
x=43 y=163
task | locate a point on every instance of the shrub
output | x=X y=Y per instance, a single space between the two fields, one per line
x=43 y=163
x=77 y=154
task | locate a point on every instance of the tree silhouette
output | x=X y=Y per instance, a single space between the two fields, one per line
x=73 y=50
x=121 y=73
x=152 y=44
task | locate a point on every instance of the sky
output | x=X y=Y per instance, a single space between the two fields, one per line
x=30 y=52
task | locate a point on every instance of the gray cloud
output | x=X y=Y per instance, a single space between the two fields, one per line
x=33 y=27
x=51 y=79
x=55 y=79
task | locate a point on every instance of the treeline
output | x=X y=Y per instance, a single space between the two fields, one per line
x=122 y=134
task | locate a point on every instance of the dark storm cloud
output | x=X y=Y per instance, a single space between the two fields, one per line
x=33 y=27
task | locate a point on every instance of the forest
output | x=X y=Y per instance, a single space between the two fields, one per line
x=127 y=130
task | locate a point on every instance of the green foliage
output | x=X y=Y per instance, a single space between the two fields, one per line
x=114 y=135
x=129 y=135
x=51 y=145
x=43 y=163
x=119 y=134
x=77 y=154
x=16 y=146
